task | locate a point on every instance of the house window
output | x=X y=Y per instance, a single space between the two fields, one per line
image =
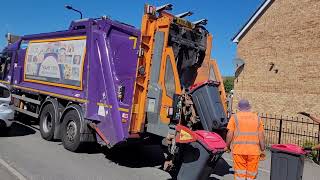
x=169 y=81
x=4 y=92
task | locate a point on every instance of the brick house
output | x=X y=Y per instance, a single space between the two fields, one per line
x=280 y=48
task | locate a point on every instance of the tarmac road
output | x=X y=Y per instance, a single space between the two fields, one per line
x=5 y=174
x=24 y=155
x=34 y=158
x=37 y=159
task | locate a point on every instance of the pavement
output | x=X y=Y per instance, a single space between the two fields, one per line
x=24 y=155
x=224 y=169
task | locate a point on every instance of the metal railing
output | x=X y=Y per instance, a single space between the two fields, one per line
x=283 y=129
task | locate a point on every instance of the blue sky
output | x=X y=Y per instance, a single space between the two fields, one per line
x=225 y=17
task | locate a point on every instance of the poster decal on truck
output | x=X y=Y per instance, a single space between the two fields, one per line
x=57 y=62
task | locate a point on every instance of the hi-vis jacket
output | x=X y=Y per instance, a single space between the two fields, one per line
x=246 y=127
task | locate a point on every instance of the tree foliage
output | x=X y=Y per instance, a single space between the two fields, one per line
x=228 y=84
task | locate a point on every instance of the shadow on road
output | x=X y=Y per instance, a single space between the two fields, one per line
x=17 y=129
x=136 y=156
x=28 y=121
x=222 y=168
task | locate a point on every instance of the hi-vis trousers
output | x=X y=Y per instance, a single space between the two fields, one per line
x=245 y=166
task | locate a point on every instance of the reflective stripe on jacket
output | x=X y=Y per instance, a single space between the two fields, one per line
x=246 y=134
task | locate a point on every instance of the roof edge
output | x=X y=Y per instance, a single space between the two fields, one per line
x=245 y=28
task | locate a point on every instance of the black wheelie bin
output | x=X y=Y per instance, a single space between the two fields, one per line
x=200 y=157
x=206 y=98
x=287 y=162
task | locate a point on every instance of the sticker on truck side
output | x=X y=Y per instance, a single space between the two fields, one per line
x=57 y=62
x=134 y=41
x=24 y=45
x=101 y=111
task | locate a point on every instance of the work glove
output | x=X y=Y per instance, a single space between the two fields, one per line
x=304 y=114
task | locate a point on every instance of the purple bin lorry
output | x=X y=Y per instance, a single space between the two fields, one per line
x=96 y=82
x=72 y=78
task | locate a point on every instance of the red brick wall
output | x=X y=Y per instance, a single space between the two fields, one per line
x=288 y=35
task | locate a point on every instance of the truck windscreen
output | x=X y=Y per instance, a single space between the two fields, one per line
x=5 y=61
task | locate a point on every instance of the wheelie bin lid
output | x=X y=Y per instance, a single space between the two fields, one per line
x=198 y=85
x=288 y=148
x=210 y=140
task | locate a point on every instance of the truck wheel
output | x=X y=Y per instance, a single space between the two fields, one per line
x=71 y=131
x=47 y=122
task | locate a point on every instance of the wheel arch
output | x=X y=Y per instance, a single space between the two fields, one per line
x=78 y=109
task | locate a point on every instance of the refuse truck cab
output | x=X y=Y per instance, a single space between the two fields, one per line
x=105 y=81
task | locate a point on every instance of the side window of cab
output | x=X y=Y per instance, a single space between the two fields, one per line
x=5 y=64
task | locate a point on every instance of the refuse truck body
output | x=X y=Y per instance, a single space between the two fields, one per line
x=105 y=81
x=86 y=73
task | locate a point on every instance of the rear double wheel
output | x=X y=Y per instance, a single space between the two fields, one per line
x=47 y=122
x=70 y=131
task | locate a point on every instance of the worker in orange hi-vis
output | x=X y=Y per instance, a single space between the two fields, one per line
x=246 y=138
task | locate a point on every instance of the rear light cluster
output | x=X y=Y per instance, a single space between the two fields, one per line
x=170 y=111
x=120 y=93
